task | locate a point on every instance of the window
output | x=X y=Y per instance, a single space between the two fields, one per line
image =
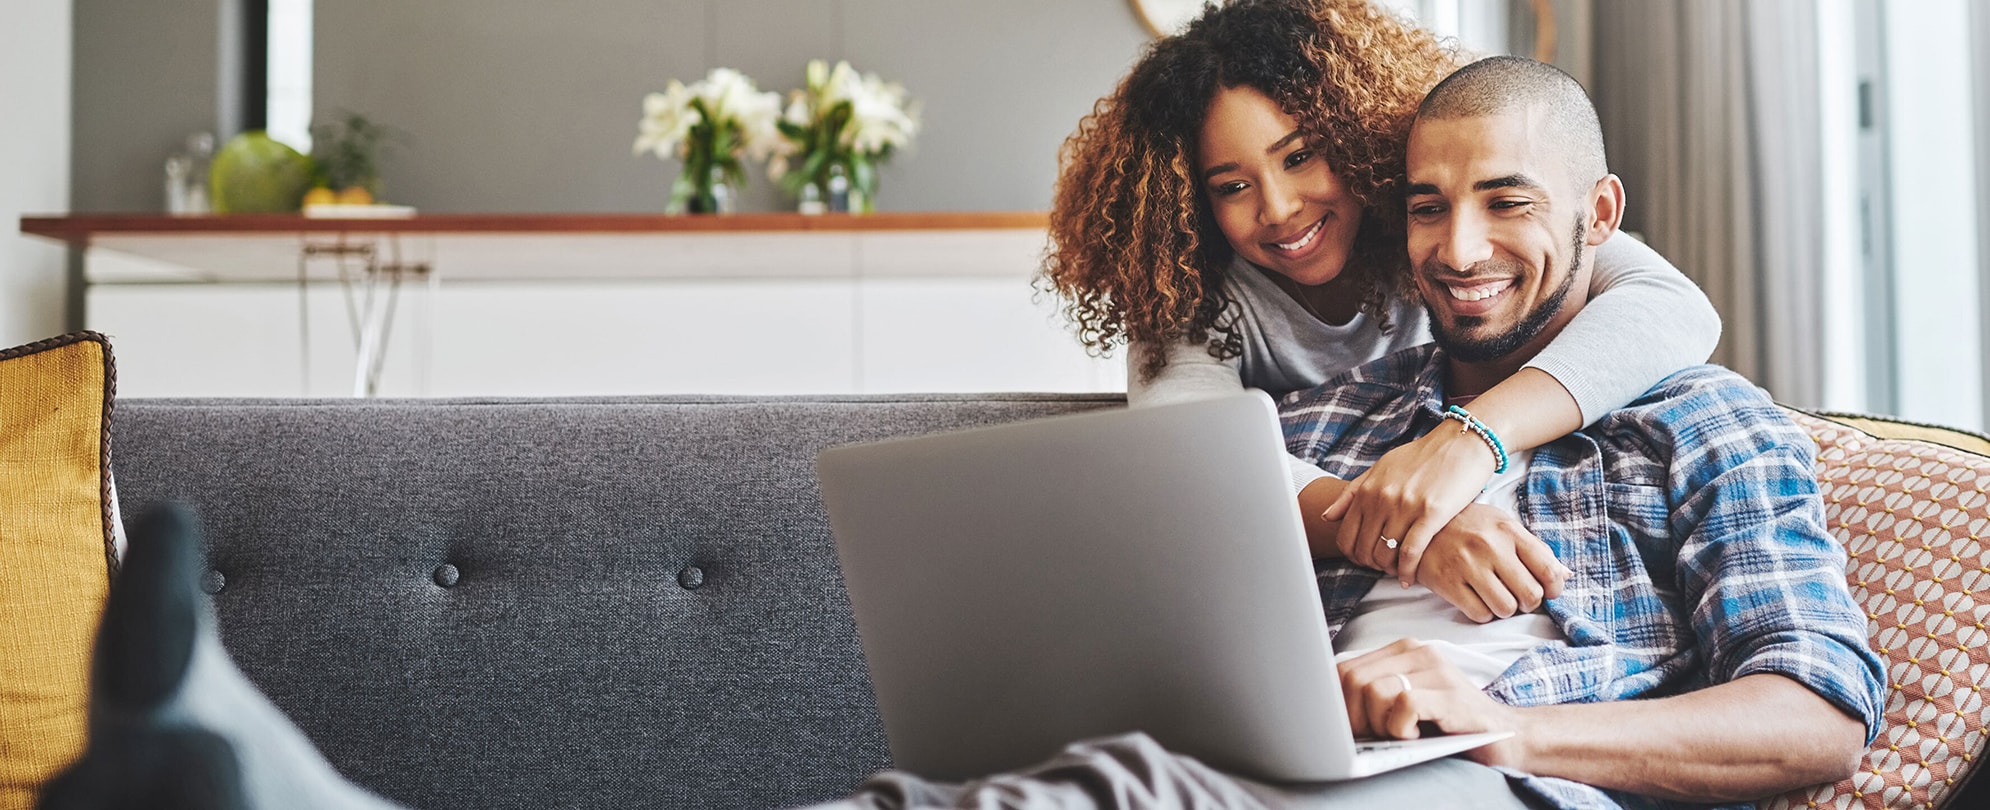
x=289 y=76
x=1913 y=285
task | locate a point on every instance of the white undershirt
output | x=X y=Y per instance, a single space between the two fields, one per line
x=1482 y=651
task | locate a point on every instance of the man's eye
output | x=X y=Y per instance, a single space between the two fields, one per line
x=1507 y=205
x=1426 y=210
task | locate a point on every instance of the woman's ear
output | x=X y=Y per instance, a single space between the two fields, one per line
x=1606 y=209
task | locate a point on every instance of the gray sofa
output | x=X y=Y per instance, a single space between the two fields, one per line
x=543 y=603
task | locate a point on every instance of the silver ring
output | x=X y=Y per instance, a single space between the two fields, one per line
x=1407 y=688
x=1391 y=542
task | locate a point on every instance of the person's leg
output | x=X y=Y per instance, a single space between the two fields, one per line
x=173 y=723
x=1443 y=784
x=1133 y=771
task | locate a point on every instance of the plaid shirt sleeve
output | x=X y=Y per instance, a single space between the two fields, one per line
x=1763 y=578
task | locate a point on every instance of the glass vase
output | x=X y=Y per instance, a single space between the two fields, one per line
x=714 y=196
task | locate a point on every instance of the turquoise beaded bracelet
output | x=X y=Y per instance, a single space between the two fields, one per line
x=1473 y=424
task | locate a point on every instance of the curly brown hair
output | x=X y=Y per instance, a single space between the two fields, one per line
x=1134 y=248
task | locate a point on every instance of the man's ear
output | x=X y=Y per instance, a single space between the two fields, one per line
x=1606 y=209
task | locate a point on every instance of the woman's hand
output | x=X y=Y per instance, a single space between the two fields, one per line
x=1410 y=494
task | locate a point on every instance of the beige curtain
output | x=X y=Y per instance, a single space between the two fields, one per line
x=1711 y=115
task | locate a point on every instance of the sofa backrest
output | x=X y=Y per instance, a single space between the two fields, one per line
x=544 y=603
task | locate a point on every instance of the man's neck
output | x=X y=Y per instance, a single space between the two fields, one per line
x=1466 y=381
x=1463 y=379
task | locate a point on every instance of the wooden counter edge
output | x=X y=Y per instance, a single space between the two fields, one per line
x=79 y=229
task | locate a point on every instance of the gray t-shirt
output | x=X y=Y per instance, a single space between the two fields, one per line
x=1644 y=321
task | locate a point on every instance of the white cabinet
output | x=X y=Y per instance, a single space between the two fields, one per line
x=607 y=314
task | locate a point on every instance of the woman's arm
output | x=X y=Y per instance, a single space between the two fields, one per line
x=1644 y=321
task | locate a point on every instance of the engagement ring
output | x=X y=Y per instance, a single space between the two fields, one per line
x=1390 y=542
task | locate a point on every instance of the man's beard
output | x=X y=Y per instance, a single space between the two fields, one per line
x=1493 y=348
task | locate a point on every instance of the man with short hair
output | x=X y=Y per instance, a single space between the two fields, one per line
x=1706 y=648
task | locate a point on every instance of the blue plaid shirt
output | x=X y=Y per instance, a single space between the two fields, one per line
x=1691 y=518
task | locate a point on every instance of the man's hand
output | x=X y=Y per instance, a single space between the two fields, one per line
x=1483 y=561
x=1391 y=689
x=1488 y=565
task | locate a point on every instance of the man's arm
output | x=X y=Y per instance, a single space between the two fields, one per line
x=1744 y=739
x=1740 y=740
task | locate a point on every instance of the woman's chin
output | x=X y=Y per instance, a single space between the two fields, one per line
x=1314 y=272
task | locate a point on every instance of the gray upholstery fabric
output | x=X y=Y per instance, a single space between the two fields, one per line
x=641 y=606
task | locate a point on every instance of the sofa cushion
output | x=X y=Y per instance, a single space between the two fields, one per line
x=1913 y=514
x=56 y=550
x=544 y=603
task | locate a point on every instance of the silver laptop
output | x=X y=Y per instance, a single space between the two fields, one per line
x=1020 y=587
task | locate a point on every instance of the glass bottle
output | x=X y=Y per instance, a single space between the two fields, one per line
x=200 y=156
x=177 y=168
x=811 y=202
x=839 y=189
x=722 y=196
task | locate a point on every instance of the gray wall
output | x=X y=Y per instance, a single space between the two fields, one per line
x=146 y=76
x=34 y=163
x=524 y=105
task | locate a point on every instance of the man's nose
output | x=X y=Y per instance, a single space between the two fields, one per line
x=1465 y=242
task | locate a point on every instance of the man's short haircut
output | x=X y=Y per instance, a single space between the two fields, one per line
x=1503 y=84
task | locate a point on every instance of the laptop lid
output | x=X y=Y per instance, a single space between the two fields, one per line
x=1023 y=586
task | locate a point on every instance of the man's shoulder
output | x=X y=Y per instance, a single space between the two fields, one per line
x=1704 y=407
x=1704 y=391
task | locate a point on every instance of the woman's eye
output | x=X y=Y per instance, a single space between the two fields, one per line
x=1296 y=158
x=1228 y=189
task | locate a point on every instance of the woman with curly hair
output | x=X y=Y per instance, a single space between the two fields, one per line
x=1232 y=215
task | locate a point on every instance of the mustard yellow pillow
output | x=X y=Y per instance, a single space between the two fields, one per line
x=57 y=550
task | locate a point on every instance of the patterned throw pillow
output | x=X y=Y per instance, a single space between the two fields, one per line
x=1914 y=515
x=57 y=550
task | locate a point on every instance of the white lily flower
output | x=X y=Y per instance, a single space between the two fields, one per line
x=843 y=84
x=667 y=119
x=879 y=121
x=732 y=100
x=799 y=112
x=817 y=74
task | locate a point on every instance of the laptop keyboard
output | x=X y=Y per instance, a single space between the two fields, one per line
x=1379 y=745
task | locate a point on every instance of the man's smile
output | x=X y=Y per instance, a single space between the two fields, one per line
x=1475 y=296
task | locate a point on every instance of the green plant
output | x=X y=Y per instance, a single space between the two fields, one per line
x=348 y=153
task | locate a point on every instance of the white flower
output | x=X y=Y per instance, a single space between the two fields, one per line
x=799 y=113
x=667 y=118
x=732 y=100
x=843 y=84
x=879 y=117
